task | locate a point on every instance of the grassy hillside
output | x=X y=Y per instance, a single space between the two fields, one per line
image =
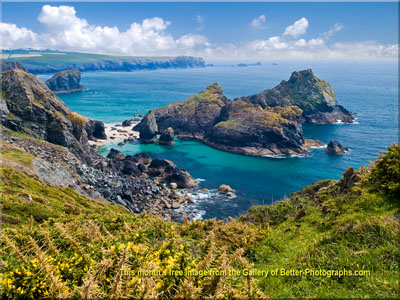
x=47 y=61
x=56 y=242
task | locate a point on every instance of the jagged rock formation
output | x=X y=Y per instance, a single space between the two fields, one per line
x=265 y=124
x=234 y=126
x=167 y=137
x=65 y=82
x=36 y=111
x=35 y=123
x=334 y=147
x=148 y=129
x=7 y=65
x=314 y=96
x=139 y=164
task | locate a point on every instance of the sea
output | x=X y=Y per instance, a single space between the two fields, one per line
x=369 y=88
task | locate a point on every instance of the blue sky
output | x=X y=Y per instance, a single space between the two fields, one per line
x=339 y=30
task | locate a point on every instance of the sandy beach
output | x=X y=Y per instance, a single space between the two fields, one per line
x=116 y=133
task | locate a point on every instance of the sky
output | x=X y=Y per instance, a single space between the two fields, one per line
x=211 y=30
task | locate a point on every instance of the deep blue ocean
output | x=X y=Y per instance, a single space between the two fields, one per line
x=368 y=88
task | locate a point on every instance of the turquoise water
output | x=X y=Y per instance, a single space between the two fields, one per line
x=368 y=88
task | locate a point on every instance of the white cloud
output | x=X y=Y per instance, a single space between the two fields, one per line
x=12 y=36
x=298 y=28
x=200 y=19
x=259 y=22
x=65 y=31
x=337 y=27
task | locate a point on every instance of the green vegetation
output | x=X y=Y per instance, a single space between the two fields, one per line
x=56 y=242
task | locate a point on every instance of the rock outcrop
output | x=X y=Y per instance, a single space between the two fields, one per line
x=148 y=128
x=234 y=126
x=334 y=147
x=314 y=96
x=265 y=124
x=167 y=137
x=36 y=111
x=139 y=164
x=35 y=122
x=65 y=82
x=7 y=65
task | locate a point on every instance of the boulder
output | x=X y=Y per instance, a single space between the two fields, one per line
x=147 y=128
x=182 y=178
x=334 y=147
x=167 y=137
x=127 y=123
x=225 y=189
x=66 y=82
x=173 y=185
x=95 y=130
x=160 y=166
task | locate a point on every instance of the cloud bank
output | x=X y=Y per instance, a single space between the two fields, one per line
x=65 y=31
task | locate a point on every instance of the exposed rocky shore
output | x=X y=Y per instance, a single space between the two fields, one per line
x=35 y=122
x=265 y=124
x=66 y=82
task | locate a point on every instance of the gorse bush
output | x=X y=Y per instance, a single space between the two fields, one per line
x=57 y=243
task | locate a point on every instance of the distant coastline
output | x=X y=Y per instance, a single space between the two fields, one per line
x=47 y=62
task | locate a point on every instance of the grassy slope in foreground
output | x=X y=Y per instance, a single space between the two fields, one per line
x=56 y=242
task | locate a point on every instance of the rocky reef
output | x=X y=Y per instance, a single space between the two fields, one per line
x=66 y=82
x=334 y=147
x=264 y=124
x=36 y=124
x=314 y=96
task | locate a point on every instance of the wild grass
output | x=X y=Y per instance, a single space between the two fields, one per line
x=67 y=245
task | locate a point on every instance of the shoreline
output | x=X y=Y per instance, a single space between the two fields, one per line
x=116 y=133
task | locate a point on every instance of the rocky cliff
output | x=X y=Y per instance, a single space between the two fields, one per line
x=7 y=65
x=234 y=126
x=304 y=90
x=36 y=124
x=66 y=82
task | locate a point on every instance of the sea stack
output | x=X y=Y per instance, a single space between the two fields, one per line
x=66 y=82
x=334 y=147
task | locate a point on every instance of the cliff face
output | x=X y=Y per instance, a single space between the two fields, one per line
x=29 y=107
x=65 y=82
x=35 y=123
x=7 y=65
x=314 y=96
x=234 y=126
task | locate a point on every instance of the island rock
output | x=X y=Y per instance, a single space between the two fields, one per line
x=66 y=82
x=303 y=89
x=334 y=147
x=234 y=126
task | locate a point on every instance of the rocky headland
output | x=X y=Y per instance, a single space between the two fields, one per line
x=66 y=82
x=43 y=62
x=41 y=136
x=312 y=95
x=265 y=124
